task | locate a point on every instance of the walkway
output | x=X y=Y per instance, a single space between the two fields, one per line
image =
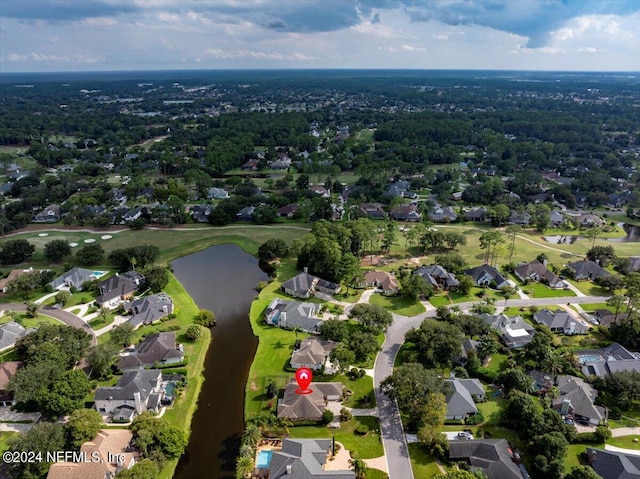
x=632 y=452
x=625 y=431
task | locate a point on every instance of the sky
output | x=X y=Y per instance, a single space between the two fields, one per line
x=98 y=35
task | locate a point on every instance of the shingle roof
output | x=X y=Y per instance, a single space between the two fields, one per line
x=304 y=459
x=559 y=319
x=614 y=465
x=485 y=274
x=149 y=309
x=292 y=314
x=157 y=347
x=312 y=350
x=75 y=277
x=115 y=287
x=131 y=382
x=307 y=406
x=459 y=399
x=492 y=456
x=587 y=269
x=9 y=333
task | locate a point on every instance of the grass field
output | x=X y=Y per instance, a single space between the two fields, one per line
x=423 y=464
x=4 y=440
x=28 y=322
x=625 y=442
x=398 y=304
x=538 y=290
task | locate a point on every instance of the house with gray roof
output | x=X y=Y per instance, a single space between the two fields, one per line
x=137 y=391
x=607 y=361
x=587 y=270
x=373 y=211
x=10 y=333
x=438 y=277
x=537 y=271
x=305 y=459
x=484 y=275
x=312 y=353
x=217 y=194
x=560 y=321
x=576 y=400
x=476 y=214
x=308 y=407
x=405 y=213
x=514 y=331
x=50 y=214
x=293 y=314
x=75 y=277
x=491 y=456
x=459 y=394
x=112 y=291
x=149 y=309
x=442 y=214
x=158 y=348
x=200 y=213
x=613 y=465
x=305 y=285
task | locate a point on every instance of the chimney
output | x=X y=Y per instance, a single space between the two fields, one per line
x=566 y=404
x=591 y=456
x=305 y=269
x=289 y=472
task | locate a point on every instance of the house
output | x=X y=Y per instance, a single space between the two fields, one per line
x=132 y=214
x=50 y=214
x=135 y=392
x=467 y=346
x=405 y=213
x=543 y=381
x=381 y=280
x=606 y=361
x=7 y=371
x=118 y=288
x=475 y=214
x=613 y=464
x=491 y=456
x=514 y=331
x=537 y=271
x=251 y=165
x=587 y=270
x=556 y=218
x=305 y=285
x=443 y=214
x=576 y=399
x=312 y=353
x=519 y=218
x=246 y=213
x=74 y=278
x=633 y=264
x=305 y=458
x=588 y=220
x=149 y=309
x=281 y=164
x=293 y=314
x=320 y=191
x=217 y=194
x=13 y=274
x=373 y=210
x=438 y=277
x=288 y=211
x=10 y=333
x=155 y=349
x=106 y=455
x=308 y=407
x=485 y=275
x=605 y=316
x=460 y=395
x=560 y=321
x=200 y=213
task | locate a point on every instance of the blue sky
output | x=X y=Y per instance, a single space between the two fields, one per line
x=70 y=35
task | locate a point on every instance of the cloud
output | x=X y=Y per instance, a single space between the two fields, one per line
x=64 y=10
x=411 y=48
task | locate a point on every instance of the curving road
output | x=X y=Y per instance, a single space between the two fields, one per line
x=59 y=314
x=393 y=437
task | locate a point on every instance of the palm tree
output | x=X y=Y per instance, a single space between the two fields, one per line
x=487 y=347
x=252 y=435
x=247 y=450
x=507 y=291
x=297 y=330
x=244 y=467
x=359 y=467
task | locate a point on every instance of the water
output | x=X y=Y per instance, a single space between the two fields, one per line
x=568 y=239
x=222 y=279
x=264 y=459
x=632 y=236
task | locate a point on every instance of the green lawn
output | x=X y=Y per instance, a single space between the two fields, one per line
x=491 y=408
x=574 y=453
x=423 y=464
x=4 y=440
x=625 y=442
x=588 y=288
x=362 y=388
x=539 y=290
x=497 y=362
x=445 y=299
x=28 y=322
x=99 y=323
x=398 y=304
x=367 y=447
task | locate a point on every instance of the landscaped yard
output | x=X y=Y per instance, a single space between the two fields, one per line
x=100 y=322
x=367 y=447
x=497 y=362
x=588 y=288
x=28 y=322
x=626 y=442
x=422 y=463
x=538 y=290
x=4 y=440
x=398 y=304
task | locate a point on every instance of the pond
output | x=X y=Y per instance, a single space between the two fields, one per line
x=632 y=235
x=222 y=279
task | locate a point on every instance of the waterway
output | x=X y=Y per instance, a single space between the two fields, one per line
x=222 y=279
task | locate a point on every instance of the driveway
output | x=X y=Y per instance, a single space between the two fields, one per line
x=625 y=431
x=632 y=452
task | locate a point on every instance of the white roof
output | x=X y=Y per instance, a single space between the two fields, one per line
x=517 y=333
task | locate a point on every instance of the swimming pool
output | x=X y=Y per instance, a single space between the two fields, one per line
x=264 y=459
x=170 y=389
x=97 y=274
x=590 y=358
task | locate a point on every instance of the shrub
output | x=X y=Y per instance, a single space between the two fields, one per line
x=345 y=415
x=327 y=416
x=602 y=433
x=362 y=430
x=474 y=419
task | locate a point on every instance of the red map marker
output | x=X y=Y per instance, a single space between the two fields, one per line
x=303 y=378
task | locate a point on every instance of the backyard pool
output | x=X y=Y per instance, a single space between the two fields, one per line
x=97 y=274
x=264 y=459
x=170 y=389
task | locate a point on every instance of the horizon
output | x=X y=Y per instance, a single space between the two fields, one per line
x=59 y=36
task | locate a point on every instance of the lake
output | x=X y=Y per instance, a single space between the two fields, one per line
x=222 y=279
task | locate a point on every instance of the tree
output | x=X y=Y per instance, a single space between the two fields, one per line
x=359 y=467
x=32 y=309
x=63 y=342
x=194 y=332
x=334 y=330
x=62 y=297
x=303 y=182
x=90 y=254
x=271 y=249
x=520 y=412
x=515 y=378
x=513 y=231
x=205 y=318
x=414 y=287
x=143 y=469
x=101 y=358
x=409 y=385
x=43 y=437
x=363 y=345
x=460 y=474
x=602 y=254
x=156 y=278
x=434 y=409
x=154 y=434
x=489 y=241
x=452 y=261
x=593 y=233
x=121 y=335
x=56 y=250
x=16 y=251
x=539 y=348
x=465 y=283
x=582 y=472
x=373 y=318
x=24 y=284
x=499 y=214
x=507 y=291
x=82 y=426
x=487 y=347
x=251 y=434
x=244 y=467
x=264 y=214
x=343 y=356
x=437 y=343
x=66 y=393
x=32 y=381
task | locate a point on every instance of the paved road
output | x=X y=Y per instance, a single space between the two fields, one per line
x=393 y=437
x=59 y=314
